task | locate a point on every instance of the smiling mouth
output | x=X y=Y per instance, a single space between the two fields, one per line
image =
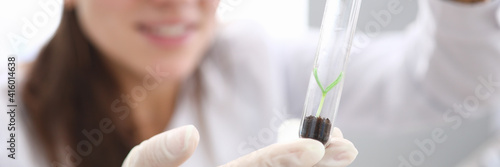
x=167 y=34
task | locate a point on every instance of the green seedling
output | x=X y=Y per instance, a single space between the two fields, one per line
x=324 y=91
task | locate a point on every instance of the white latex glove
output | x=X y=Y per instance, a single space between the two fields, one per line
x=172 y=148
x=167 y=149
x=302 y=152
x=339 y=152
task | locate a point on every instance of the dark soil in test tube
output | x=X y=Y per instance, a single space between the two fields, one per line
x=316 y=128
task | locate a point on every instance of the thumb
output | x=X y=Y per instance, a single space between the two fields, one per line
x=170 y=148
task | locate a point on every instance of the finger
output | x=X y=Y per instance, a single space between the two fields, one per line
x=170 y=148
x=288 y=130
x=336 y=133
x=338 y=153
x=301 y=152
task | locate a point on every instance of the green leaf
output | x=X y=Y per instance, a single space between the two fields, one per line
x=335 y=82
x=317 y=80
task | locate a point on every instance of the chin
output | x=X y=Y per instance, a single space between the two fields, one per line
x=180 y=70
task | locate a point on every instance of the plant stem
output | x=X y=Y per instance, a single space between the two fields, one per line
x=321 y=104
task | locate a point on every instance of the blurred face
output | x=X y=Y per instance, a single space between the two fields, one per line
x=134 y=34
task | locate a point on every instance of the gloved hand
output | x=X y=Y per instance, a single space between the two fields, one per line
x=167 y=149
x=172 y=148
x=339 y=152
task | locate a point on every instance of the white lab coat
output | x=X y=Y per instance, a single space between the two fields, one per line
x=402 y=88
x=397 y=90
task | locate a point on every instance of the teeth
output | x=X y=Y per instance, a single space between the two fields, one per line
x=170 y=30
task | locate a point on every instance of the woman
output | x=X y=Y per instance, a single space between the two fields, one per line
x=118 y=73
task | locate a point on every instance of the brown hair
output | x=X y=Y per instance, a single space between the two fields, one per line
x=68 y=90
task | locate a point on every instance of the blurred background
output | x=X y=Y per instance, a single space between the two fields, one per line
x=296 y=17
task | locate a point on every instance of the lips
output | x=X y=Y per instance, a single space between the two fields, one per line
x=167 y=34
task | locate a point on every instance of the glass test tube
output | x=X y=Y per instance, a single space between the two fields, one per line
x=325 y=86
